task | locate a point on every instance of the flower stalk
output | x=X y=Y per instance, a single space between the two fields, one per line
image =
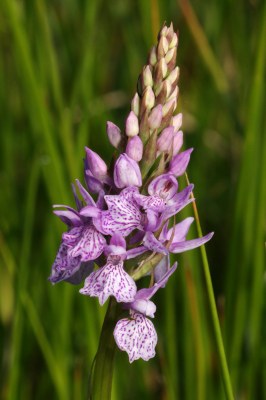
x=102 y=370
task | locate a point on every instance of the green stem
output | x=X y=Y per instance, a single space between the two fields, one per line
x=102 y=370
x=214 y=314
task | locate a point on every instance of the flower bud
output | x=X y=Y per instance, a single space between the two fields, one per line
x=171 y=59
x=177 y=142
x=174 y=41
x=169 y=55
x=174 y=75
x=126 y=172
x=160 y=70
x=162 y=47
x=163 y=32
x=114 y=134
x=171 y=104
x=145 y=307
x=155 y=117
x=148 y=99
x=134 y=148
x=132 y=124
x=96 y=164
x=147 y=76
x=164 y=92
x=152 y=56
x=174 y=94
x=170 y=33
x=177 y=121
x=135 y=104
x=180 y=162
x=165 y=140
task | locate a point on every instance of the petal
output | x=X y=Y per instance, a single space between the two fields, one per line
x=137 y=251
x=106 y=224
x=161 y=268
x=89 y=246
x=147 y=293
x=64 y=266
x=126 y=172
x=180 y=230
x=153 y=244
x=86 y=196
x=122 y=209
x=190 y=244
x=152 y=202
x=69 y=217
x=180 y=162
x=71 y=237
x=182 y=200
x=110 y=280
x=164 y=186
x=84 y=270
x=136 y=336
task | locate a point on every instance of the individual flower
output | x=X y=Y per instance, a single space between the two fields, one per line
x=80 y=244
x=136 y=335
x=111 y=279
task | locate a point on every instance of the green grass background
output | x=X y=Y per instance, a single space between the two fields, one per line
x=65 y=68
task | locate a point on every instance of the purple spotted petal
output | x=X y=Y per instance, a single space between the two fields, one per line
x=154 y=244
x=123 y=215
x=179 y=247
x=150 y=202
x=137 y=336
x=64 y=266
x=106 y=224
x=71 y=237
x=84 y=270
x=110 y=280
x=89 y=245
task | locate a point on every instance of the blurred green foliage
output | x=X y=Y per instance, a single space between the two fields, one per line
x=65 y=68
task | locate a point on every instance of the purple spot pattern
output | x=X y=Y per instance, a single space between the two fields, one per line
x=137 y=336
x=64 y=266
x=84 y=242
x=123 y=215
x=153 y=202
x=110 y=280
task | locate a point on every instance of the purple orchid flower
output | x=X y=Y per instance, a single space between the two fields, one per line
x=111 y=279
x=80 y=244
x=123 y=214
x=136 y=335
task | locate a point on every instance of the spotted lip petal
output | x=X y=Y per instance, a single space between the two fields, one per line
x=110 y=280
x=137 y=336
x=87 y=243
x=64 y=266
x=122 y=216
